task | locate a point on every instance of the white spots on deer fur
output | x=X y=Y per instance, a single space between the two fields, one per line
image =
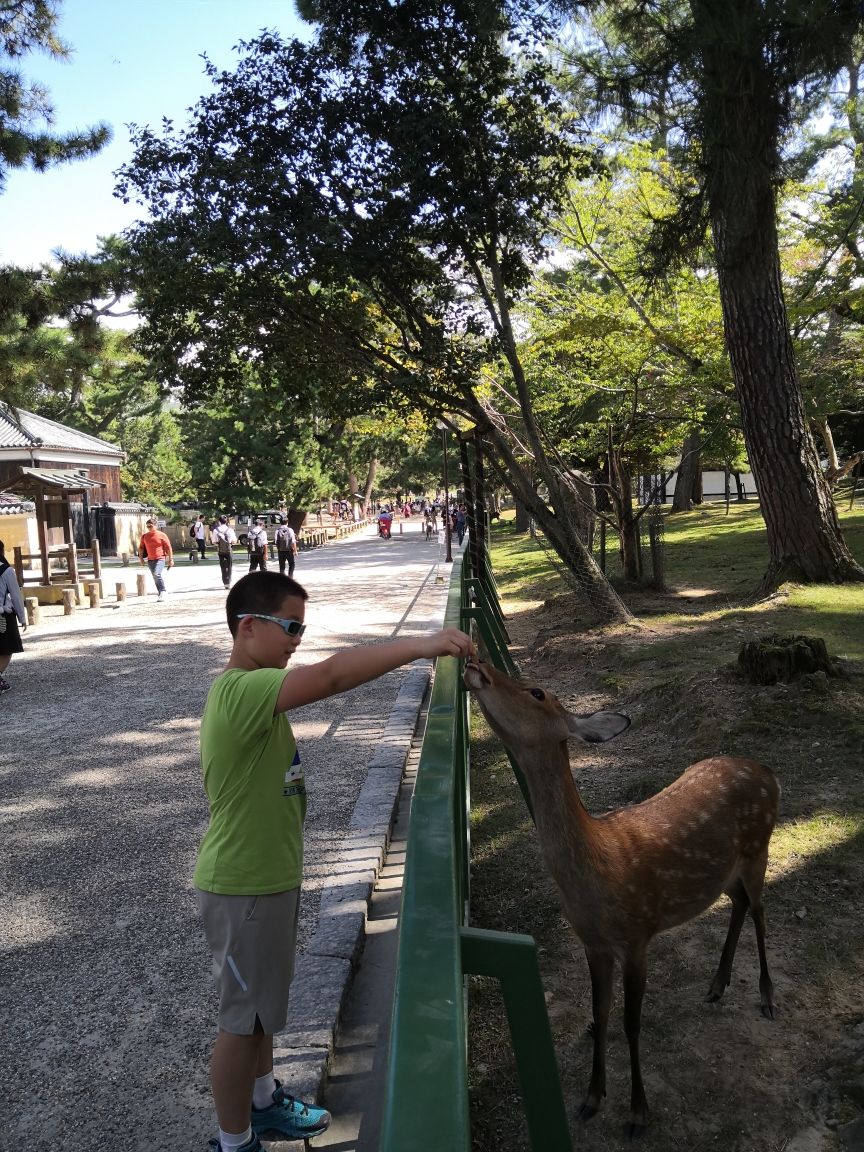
x=763 y=791
x=769 y=819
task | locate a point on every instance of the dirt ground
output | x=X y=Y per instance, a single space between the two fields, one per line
x=107 y=1013
x=717 y=1076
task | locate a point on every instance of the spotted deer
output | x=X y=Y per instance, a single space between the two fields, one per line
x=628 y=874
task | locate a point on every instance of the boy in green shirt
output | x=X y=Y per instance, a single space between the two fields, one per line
x=250 y=862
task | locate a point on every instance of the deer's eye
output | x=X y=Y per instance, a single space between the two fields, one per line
x=537 y=694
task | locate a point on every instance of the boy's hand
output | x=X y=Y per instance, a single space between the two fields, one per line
x=449 y=642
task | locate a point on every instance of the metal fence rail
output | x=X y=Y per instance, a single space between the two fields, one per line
x=426 y=1098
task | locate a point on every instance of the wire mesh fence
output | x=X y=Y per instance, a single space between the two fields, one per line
x=599 y=534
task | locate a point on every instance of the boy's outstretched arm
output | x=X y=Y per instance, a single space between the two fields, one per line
x=359 y=665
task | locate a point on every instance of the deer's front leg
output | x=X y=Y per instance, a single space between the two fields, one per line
x=601 y=965
x=635 y=975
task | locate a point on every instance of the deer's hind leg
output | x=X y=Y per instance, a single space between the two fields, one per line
x=753 y=879
x=601 y=965
x=737 y=893
x=635 y=976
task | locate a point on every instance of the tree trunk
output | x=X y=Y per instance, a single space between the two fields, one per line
x=370 y=480
x=804 y=536
x=739 y=487
x=739 y=107
x=296 y=519
x=628 y=526
x=469 y=503
x=697 y=495
x=682 y=497
x=560 y=533
x=522 y=516
x=479 y=496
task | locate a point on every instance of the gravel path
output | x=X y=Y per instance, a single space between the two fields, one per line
x=106 y=1010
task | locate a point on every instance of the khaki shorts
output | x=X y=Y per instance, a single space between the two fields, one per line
x=252 y=939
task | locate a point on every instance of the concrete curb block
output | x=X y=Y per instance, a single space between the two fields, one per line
x=325 y=971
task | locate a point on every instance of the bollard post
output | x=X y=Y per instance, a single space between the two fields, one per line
x=78 y=588
x=33 y=614
x=68 y=601
x=121 y=591
x=93 y=590
x=195 y=556
x=142 y=584
x=124 y=556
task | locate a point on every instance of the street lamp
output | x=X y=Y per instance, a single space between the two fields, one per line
x=448 y=559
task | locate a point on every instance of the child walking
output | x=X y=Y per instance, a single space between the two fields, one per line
x=250 y=862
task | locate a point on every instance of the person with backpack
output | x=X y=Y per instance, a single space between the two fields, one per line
x=11 y=612
x=256 y=544
x=223 y=536
x=286 y=546
x=199 y=534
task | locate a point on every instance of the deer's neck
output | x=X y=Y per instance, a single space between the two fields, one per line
x=569 y=838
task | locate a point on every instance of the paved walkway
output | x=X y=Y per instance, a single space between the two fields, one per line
x=106 y=1011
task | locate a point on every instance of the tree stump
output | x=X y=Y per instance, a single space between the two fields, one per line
x=784 y=658
x=142 y=584
x=68 y=601
x=33 y=614
x=121 y=591
x=93 y=592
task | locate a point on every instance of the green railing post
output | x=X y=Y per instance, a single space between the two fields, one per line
x=499 y=654
x=426 y=1062
x=512 y=959
x=426 y=1096
x=476 y=586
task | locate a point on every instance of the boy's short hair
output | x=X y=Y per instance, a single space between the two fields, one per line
x=263 y=592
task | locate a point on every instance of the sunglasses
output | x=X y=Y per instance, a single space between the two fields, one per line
x=292 y=627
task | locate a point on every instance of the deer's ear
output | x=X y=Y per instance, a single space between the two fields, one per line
x=599 y=728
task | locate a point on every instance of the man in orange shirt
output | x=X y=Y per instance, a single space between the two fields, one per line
x=156 y=546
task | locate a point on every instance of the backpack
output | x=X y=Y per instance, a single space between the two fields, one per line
x=192 y=532
x=223 y=547
x=284 y=539
x=253 y=541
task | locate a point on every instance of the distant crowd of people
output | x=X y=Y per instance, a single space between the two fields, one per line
x=155 y=548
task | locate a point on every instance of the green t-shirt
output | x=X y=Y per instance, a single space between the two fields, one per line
x=254 y=782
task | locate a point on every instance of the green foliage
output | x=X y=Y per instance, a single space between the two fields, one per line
x=377 y=191
x=602 y=354
x=27 y=26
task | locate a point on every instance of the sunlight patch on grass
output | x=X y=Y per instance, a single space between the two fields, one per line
x=795 y=844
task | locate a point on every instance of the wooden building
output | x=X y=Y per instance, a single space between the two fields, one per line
x=31 y=441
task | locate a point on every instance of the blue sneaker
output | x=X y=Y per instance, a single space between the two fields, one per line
x=290 y=1117
x=253 y=1145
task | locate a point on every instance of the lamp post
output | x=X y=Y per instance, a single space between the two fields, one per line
x=448 y=559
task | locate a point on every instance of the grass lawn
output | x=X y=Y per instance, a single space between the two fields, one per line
x=717 y=1076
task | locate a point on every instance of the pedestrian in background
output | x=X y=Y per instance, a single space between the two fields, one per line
x=11 y=612
x=223 y=536
x=200 y=537
x=286 y=546
x=461 y=522
x=256 y=543
x=156 y=546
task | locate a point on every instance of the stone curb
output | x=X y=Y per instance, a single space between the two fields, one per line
x=325 y=971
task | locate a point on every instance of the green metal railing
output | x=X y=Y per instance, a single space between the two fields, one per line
x=426 y=1098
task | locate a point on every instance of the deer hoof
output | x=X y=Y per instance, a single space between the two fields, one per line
x=768 y=1012
x=712 y=997
x=586 y=1111
x=633 y=1131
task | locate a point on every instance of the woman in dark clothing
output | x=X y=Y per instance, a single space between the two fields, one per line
x=11 y=611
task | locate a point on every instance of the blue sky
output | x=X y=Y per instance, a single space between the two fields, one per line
x=134 y=61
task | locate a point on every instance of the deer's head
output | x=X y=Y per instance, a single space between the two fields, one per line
x=523 y=713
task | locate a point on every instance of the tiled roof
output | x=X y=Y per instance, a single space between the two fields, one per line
x=63 y=479
x=32 y=431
